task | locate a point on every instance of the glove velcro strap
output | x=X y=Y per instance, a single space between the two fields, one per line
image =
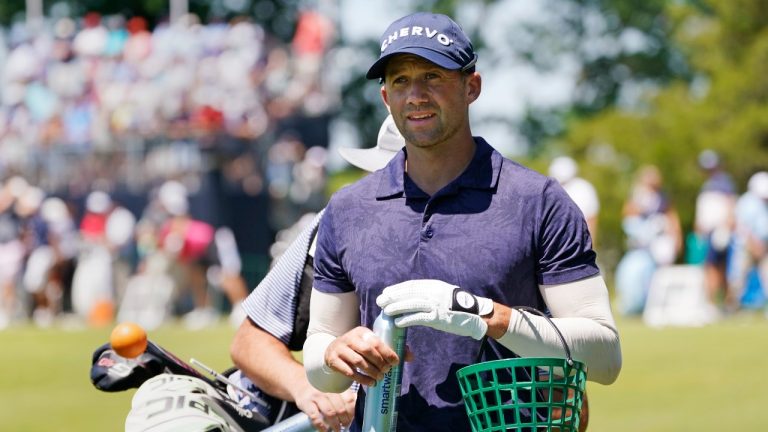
x=464 y=302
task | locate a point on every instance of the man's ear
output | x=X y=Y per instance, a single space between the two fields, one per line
x=474 y=86
x=384 y=97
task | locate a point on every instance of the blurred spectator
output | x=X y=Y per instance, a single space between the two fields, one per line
x=94 y=222
x=50 y=267
x=296 y=179
x=38 y=256
x=749 y=254
x=654 y=239
x=11 y=249
x=196 y=255
x=104 y=229
x=713 y=222
x=565 y=170
x=120 y=232
x=187 y=241
x=149 y=293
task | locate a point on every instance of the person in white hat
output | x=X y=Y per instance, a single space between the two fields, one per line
x=388 y=143
x=750 y=240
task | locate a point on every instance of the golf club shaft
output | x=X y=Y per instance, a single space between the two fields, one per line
x=221 y=378
x=296 y=423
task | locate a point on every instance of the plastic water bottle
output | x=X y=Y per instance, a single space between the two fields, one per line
x=381 y=399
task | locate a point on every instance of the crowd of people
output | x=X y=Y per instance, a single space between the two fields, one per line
x=110 y=264
x=729 y=240
x=87 y=85
x=106 y=100
x=99 y=115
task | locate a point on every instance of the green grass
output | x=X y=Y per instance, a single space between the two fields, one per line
x=687 y=379
x=673 y=379
x=45 y=385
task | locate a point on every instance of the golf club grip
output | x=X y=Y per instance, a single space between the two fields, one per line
x=380 y=413
x=295 y=423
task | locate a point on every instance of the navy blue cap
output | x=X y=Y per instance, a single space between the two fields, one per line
x=434 y=37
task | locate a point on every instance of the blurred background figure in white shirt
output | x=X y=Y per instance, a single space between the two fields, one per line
x=714 y=221
x=748 y=262
x=565 y=170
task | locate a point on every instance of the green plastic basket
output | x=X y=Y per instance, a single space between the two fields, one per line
x=524 y=394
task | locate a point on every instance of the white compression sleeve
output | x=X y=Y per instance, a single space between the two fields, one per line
x=330 y=316
x=582 y=312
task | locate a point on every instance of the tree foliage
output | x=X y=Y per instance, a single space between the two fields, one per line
x=725 y=108
x=606 y=74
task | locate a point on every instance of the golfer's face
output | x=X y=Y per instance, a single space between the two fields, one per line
x=428 y=103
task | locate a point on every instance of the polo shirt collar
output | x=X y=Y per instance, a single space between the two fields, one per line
x=482 y=172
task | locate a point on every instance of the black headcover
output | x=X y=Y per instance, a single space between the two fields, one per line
x=111 y=372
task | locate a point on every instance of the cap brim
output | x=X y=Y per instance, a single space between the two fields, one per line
x=377 y=69
x=370 y=159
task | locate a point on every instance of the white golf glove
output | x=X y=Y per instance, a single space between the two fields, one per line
x=437 y=304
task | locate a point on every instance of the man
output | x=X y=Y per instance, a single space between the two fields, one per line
x=749 y=251
x=565 y=170
x=654 y=239
x=447 y=217
x=278 y=312
x=713 y=221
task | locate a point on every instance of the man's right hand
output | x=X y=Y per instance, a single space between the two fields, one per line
x=361 y=356
x=327 y=411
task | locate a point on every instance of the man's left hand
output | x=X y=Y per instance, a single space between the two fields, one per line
x=328 y=411
x=437 y=304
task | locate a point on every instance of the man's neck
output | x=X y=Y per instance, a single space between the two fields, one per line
x=433 y=168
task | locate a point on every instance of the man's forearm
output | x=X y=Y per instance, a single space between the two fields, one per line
x=330 y=315
x=267 y=362
x=581 y=311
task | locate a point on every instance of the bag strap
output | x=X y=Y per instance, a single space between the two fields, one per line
x=568 y=358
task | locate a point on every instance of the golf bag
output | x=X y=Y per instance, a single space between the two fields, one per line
x=172 y=395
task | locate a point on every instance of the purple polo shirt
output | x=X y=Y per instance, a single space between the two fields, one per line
x=499 y=231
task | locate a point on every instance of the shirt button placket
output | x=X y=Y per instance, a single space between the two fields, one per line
x=427 y=232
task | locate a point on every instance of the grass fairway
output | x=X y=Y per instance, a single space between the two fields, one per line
x=687 y=379
x=674 y=379
x=45 y=383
